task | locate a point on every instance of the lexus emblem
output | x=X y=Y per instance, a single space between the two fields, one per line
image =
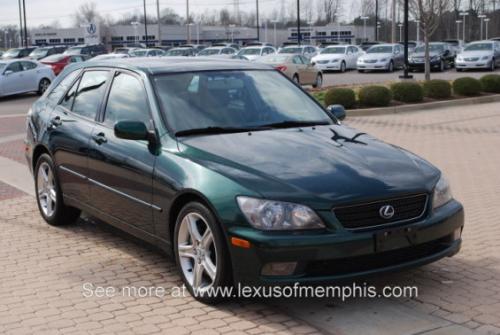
x=386 y=212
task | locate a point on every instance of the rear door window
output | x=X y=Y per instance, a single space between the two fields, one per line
x=90 y=93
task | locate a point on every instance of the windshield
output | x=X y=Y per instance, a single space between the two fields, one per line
x=251 y=51
x=121 y=51
x=140 y=53
x=333 y=50
x=39 y=52
x=290 y=50
x=380 y=50
x=177 y=52
x=233 y=99
x=53 y=59
x=208 y=52
x=432 y=48
x=479 y=47
x=11 y=53
x=275 y=59
x=73 y=51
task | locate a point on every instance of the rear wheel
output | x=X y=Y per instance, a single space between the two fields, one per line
x=49 y=195
x=201 y=253
x=296 y=79
x=43 y=85
x=319 y=81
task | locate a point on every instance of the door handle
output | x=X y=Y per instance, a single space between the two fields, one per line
x=99 y=138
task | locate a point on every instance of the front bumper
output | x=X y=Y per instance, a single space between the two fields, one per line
x=481 y=64
x=372 y=66
x=421 y=65
x=327 y=257
x=329 y=66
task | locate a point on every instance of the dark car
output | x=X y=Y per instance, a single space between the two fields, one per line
x=18 y=53
x=367 y=45
x=60 y=61
x=88 y=50
x=42 y=52
x=236 y=171
x=441 y=56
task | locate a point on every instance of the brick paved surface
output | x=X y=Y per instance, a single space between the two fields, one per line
x=42 y=268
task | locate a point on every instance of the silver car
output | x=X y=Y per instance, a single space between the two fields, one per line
x=218 y=52
x=479 y=55
x=386 y=57
x=21 y=76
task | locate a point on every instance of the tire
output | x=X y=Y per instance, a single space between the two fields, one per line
x=43 y=85
x=319 y=81
x=202 y=268
x=49 y=196
x=296 y=79
x=390 y=67
x=458 y=70
x=361 y=71
x=442 y=66
x=343 y=67
x=493 y=65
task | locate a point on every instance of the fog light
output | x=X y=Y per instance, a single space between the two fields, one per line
x=279 y=269
x=457 y=234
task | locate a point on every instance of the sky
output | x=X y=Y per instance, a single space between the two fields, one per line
x=40 y=12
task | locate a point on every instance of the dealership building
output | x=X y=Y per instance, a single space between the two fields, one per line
x=123 y=35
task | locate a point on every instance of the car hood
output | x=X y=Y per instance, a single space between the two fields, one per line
x=327 y=57
x=476 y=53
x=320 y=167
x=376 y=56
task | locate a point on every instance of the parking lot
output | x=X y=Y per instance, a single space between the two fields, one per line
x=44 y=268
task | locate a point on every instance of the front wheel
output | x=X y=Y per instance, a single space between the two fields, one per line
x=43 y=85
x=49 y=196
x=343 y=67
x=441 y=66
x=201 y=253
x=390 y=68
x=493 y=65
x=319 y=81
x=296 y=79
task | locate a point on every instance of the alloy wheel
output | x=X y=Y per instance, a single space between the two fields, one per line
x=44 y=85
x=47 y=192
x=197 y=252
x=319 y=81
x=342 y=67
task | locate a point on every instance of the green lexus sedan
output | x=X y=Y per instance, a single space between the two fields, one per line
x=236 y=172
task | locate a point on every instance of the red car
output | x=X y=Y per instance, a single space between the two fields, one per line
x=59 y=62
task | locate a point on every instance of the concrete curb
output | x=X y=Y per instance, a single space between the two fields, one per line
x=424 y=106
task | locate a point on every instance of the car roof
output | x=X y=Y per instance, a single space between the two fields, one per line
x=176 y=64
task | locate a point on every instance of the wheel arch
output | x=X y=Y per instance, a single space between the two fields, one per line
x=39 y=150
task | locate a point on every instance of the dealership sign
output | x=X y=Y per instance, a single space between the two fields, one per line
x=91 y=33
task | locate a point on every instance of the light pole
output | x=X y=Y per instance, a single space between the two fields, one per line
x=257 y=19
x=406 y=14
x=378 y=25
x=188 y=27
x=458 y=28
x=159 y=22
x=265 y=31
x=310 y=32
x=376 y=20
x=146 y=24
x=486 y=21
x=400 y=25
x=364 y=18
x=481 y=17
x=135 y=24
x=232 y=32
x=298 y=22
x=463 y=14
x=418 y=30
x=275 y=39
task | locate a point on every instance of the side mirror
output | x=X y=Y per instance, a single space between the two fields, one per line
x=131 y=130
x=8 y=72
x=338 y=111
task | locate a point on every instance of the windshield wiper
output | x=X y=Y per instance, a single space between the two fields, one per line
x=291 y=124
x=216 y=130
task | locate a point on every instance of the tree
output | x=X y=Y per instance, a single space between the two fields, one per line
x=429 y=13
x=86 y=13
x=331 y=8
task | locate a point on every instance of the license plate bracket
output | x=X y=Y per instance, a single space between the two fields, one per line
x=396 y=238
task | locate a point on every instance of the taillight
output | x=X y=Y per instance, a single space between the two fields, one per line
x=281 y=68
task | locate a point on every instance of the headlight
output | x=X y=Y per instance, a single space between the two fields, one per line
x=442 y=193
x=383 y=60
x=360 y=60
x=460 y=59
x=485 y=57
x=334 y=61
x=277 y=215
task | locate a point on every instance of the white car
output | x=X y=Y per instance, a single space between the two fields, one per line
x=337 y=58
x=254 y=52
x=148 y=53
x=479 y=55
x=218 y=52
x=308 y=51
x=385 y=57
x=109 y=56
x=22 y=76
